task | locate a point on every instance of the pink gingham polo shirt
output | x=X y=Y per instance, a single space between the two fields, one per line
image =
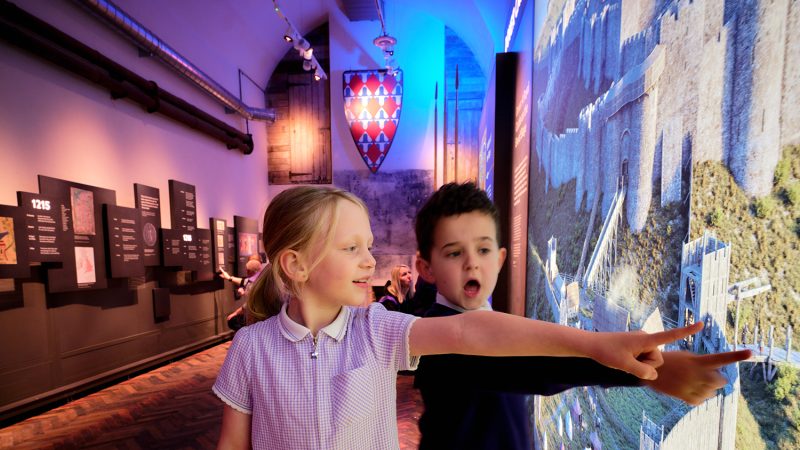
x=340 y=394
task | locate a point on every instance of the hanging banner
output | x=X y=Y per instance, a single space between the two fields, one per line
x=372 y=101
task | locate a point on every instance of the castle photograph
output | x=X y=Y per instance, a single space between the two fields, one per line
x=665 y=190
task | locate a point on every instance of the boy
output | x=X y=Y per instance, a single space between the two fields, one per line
x=477 y=401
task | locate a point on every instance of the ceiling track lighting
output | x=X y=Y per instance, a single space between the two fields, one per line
x=385 y=42
x=301 y=45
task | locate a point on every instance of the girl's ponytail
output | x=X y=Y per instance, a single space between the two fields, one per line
x=264 y=300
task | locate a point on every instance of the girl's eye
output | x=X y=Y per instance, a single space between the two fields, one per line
x=352 y=248
x=484 y=251
x=455 y=254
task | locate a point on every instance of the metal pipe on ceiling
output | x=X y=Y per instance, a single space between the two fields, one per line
x=30 y=33
x=145 y=39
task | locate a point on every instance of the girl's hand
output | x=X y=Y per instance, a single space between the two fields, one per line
x=637 y=353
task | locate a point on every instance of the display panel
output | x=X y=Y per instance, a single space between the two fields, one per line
x=148 y=202
x=246 y=241
x=13 y=256
x=44 y=234
x=230 y=234
x=205 y=256
x=162 y=307
x=172 y=248
x=183 y=214
x=123 y=230
x=219 y=244
x=182 y=206
x=84 y=260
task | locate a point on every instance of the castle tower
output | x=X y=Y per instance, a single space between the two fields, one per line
x=705 y=266
x=756 y=65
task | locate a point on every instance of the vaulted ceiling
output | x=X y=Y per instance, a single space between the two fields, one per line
x=479 y=23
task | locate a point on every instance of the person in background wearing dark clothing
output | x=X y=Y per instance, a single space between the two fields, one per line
x=478 y=402
x=424 y=297
x=399 y=289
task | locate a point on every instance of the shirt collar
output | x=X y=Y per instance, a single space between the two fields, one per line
x=444 y=302
x=294 y=332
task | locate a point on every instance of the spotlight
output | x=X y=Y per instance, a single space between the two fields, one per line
x=301 y=44
x=307 y=65
x=387 y=43
x=317 y=75
x=308 y=54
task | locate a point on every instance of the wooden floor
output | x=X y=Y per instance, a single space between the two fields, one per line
x=170 y=407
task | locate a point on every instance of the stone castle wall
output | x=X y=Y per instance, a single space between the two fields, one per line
x=757 y=72
x=719 y=97
x=790 y=113
x=707 y=425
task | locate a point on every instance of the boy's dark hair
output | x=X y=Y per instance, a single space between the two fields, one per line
x=451 y=199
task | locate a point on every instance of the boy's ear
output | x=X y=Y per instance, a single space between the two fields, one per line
x=424 y=269
x=501 y=256
x=293 y=265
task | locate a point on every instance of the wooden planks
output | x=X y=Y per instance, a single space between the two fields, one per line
x=169 y=407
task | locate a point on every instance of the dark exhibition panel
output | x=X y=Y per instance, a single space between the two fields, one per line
x=90 y=299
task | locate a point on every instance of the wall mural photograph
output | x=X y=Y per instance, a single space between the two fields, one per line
x=665 y=190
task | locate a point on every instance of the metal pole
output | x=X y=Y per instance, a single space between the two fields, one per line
x=435 y=136
x=445 y=150
x=736 y=324
x=455 y=169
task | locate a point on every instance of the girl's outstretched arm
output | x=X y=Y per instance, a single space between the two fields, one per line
x=235 y=433
x=498 y=334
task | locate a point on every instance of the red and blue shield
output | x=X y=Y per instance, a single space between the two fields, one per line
x=372 y=100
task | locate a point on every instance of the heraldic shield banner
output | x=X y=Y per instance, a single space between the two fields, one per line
x=372 y=100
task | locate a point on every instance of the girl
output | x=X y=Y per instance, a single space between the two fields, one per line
x=399 y=290
x=316 y=372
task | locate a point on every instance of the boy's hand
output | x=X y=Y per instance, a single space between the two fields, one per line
x=637 y=353
x=693 y=378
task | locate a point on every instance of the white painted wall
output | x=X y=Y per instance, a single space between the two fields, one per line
x=57 y=124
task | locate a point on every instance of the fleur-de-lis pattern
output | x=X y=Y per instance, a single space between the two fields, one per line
x=372 y=100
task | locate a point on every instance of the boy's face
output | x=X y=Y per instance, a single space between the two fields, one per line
x=465 y=259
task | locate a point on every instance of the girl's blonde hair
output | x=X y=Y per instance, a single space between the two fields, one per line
x=295 y=220
x=394 y=287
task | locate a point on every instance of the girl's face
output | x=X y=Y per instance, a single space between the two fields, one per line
x=343 y=275
x=405 y=278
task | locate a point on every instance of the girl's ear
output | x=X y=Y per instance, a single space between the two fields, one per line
x=424 y=269
x=293 y=265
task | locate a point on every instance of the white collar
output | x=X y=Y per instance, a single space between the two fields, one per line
x=294 y=332
x=444 y=302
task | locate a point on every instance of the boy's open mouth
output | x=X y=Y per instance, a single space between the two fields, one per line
x=472 y=288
